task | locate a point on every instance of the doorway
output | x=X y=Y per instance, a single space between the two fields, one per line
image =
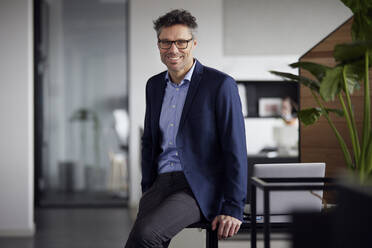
x=80 y=101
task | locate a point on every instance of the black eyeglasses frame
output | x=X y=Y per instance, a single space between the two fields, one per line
x=174 y=42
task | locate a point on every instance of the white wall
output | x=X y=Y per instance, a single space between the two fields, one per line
x=296 y=24
x=16 y=119
x=263 y=35
x=144 y=59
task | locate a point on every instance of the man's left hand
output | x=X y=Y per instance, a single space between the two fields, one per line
x=228 y=226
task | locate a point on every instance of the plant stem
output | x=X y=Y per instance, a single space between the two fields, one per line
x=351 y=130
x=352 y=117
x=368 y=160
x=367 y=113
x=344 y=148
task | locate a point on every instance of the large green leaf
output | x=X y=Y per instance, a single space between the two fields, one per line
x=352 y=52
x=314 y=85
x=309 y=116
x=317 y=70
x=354 y=74
x=338 y=112
x=331 y=84
x=362 y=26
x=362 y=22
x=358 y=5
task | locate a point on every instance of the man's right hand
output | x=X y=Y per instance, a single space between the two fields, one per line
x=228 y=226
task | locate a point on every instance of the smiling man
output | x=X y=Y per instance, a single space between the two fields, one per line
x=194 y=161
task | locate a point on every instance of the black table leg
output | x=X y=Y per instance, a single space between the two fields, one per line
x=267 y=218
x=253 y=217
x=211 y=238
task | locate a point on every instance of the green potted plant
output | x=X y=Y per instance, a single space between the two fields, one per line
x=338 y=83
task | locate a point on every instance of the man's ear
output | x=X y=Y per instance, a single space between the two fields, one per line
x=194 y=43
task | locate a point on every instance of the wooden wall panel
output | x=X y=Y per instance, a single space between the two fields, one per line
x=318 y=142
x=323 y=136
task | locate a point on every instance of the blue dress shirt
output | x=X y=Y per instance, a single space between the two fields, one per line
x=171 y=111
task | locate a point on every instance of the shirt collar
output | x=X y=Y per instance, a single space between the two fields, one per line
x=187 y=76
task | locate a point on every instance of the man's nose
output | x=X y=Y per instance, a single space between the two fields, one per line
x=173 y=48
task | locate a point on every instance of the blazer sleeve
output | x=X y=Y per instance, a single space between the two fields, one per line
x=147 y=144
x=231 y=131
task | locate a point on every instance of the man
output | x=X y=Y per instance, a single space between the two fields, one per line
x=194 y=161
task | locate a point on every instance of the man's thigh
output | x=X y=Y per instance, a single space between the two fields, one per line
x=164 y=221
x=151 y=199
x=176 y=211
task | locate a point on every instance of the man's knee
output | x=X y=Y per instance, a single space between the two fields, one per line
x=145 y=236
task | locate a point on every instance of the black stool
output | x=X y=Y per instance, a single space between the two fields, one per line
x=211 y=236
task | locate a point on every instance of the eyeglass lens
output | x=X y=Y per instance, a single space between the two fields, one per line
x=181 y=44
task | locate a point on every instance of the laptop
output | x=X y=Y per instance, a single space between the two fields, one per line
x=283 y=203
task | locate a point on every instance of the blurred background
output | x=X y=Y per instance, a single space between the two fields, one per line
x=82 y=59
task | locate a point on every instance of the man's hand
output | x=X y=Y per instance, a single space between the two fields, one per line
x=228 y=226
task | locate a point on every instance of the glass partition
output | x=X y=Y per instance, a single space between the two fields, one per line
x=83 y=83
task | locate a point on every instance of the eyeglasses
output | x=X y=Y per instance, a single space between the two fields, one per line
x=180 y=44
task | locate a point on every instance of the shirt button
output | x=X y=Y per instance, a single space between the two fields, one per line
x=170 y=143
x=177 y=89
x=173 y=106
x=171 y=124
x=171 y=164
x=176 y=153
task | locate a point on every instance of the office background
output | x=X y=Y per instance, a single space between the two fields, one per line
x=245 y=42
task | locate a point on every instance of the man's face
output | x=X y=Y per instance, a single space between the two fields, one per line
x=177 y=60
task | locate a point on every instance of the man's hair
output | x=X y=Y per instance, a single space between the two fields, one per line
x=177 y=16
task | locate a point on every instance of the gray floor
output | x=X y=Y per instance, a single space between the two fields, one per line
x=76 y=228
x=94 y=228
x=83 y=199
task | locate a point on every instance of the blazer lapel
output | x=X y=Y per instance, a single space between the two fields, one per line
x=194 y=85
x=158 y=101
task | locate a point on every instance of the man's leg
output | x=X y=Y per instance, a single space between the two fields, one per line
x=158 y=222
x=156 y=228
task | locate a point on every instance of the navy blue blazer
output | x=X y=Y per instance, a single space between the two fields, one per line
x=210 y=141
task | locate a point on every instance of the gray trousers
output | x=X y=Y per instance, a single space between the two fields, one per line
x=166 y=208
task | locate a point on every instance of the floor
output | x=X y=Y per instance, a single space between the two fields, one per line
x=83 y=199
x=76 y=228
x=93 y=228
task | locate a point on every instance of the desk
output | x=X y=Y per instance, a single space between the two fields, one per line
x=279 y=184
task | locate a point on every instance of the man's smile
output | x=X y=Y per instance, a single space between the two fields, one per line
x=173 y=58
